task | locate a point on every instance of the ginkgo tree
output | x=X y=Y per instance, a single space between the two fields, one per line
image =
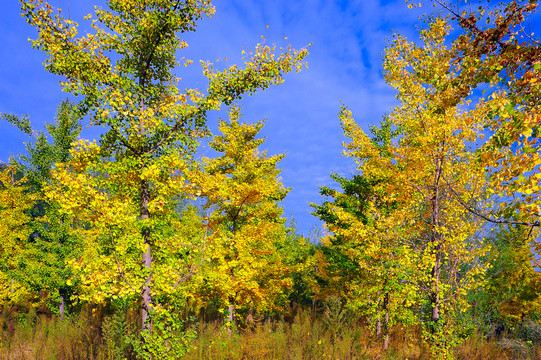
x=424 y=169
x=243 y=191
x=123 y=70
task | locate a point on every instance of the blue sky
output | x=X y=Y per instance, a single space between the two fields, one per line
x=345 y=65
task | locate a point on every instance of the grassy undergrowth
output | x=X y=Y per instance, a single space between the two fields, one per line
x=93 y=335
x=46 y=337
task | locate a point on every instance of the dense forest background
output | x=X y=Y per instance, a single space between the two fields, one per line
x=136 y=245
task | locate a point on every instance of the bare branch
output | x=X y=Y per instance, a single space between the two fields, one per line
x=486 y=217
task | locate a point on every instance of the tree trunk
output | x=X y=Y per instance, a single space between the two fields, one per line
x=386 y=322
x=144 y=196
x=250 y=318
x=231 y=311
x=146 y=301
x=436 y=240
x=386 y=342
x=231 y=308
x=61 y=307
x=435 y=298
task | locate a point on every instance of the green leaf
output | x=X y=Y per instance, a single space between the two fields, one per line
x=510 y=109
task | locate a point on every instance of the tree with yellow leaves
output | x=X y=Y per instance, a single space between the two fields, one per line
x=360 y=264
x=243 y=192
x=126 y=185
x=426 y=170
x=498 y=51
x=16 y=201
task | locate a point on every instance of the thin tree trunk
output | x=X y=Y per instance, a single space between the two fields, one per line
x=436 y=240
x=61 y=307
x=231 y=308
x=386 y=322
x=231 y=311
x=146 y=301
x=386 y=342
x=250 y=318
x=435 y=298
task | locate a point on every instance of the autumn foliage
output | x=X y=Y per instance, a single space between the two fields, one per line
x=429 y=249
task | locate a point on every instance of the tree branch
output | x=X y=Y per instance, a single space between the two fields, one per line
x=119 y=268
x=485 y=217
x=193 y=268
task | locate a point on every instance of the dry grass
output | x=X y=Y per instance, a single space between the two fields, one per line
x=90 y=336
x=302 y=340
x=306 y=339
x=478 y=348
x=46 y=337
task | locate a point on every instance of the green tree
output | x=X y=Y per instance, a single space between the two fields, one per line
x=43 y=257
x=511 y=293
x=126 y=186
x=364 y=267
x=298 y=254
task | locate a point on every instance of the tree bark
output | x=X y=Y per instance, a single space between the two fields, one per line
x=436 y=241
x=386 y=322
x=434 y=298
x=231 y=308
x=231 y=311
x=250 y=318
x=61 y=307
x=146 y=301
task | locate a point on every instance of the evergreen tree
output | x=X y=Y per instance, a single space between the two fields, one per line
x=42 y=261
